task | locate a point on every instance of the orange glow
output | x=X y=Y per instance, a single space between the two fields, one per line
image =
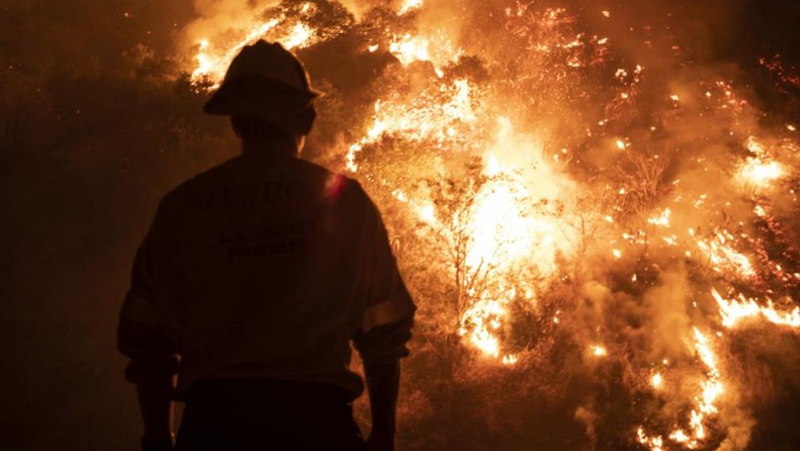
x=547 y=211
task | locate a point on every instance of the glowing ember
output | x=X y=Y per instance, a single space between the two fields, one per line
x=510 y=359
x=657 y=380
x=662 y=219
x=679 y=436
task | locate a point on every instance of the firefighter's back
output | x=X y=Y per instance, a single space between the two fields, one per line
x=266 y=256
x=252 y=282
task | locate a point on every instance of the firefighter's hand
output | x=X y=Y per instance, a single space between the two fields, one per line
x=157 y=443
x=380 y=441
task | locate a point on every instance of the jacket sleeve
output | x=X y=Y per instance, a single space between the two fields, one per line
x=141 y=333
x=385 y=343
x=389 y=313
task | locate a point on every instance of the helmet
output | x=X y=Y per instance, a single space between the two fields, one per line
x=264 y=80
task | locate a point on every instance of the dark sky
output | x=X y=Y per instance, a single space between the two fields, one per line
x=91 y=136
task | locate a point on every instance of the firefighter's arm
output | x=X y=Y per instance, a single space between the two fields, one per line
x=383 y=382
x=152 y=368
x=141 y=334
x=381 y=349
x=385 y=330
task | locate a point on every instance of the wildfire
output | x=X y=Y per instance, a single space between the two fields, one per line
x=535 y=205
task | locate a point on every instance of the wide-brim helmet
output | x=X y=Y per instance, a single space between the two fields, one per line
x=263 y=80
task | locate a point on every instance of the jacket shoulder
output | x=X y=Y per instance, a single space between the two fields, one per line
x=184 y=190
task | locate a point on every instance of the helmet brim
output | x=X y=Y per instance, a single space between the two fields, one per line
x=256 y=96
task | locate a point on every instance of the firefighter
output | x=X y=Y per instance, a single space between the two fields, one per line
x=253 y=280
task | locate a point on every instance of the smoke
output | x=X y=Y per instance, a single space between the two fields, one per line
x=588 y=418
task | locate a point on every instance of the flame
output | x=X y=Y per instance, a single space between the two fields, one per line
x=409 y=49
x=712 y=389
x=654 y=443
x=212 y=63
x=504 y=235
x=723 y=257
x=498 y=219
x=419 y=119
x=484 y=317
x=662 y=220
x=656 y=380
x=214 y=53
x=733 y=312
x=409 y=5
x=436 y=49
x=300 y=36
x=679 y=436
x=761 y=173
x=705 y=403
x=760 y=170
x=510 y=359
